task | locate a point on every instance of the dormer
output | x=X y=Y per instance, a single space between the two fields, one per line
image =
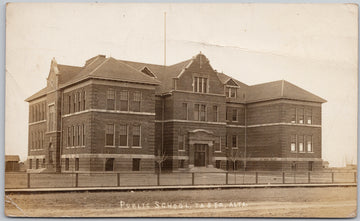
x=148 y=72
x=231 y=88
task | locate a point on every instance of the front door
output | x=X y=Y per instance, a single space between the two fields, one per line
x=200 y=153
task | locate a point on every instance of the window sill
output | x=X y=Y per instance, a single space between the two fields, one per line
x=123 y=147
x=217 y=151
x=110 y=146
x=136 y=147
x=181 y=150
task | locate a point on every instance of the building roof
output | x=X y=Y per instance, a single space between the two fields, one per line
x=12 y=158
x=225 y=78
x=109 y=68
x=38 y=94
x=164 y=74
x=279 y=89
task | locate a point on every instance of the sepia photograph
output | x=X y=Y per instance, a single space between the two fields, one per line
x=181 y=110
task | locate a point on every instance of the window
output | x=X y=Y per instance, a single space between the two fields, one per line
x=136 y=136
x=79 y=101
x=110 y=99
x=234 y=114
x=181 y=142
x=234 y=141
x=109 y=164
x=74 y=102
x=30 y=164
x=77 y=164
x=226 y=141
x=43 y=163
x=136 y=101
x=215 y=113
x=124 y=100
x=300 y=115
x=301 y=143
x=202 y=112
x=185 y=111
x=217 y=146
x=227 y=113
x=73 y=136
x=78 y=135
x=37 y=164
x=308 y=114
x=309 y=144
x=51 y=125
x=136 y=164
x=123 y=135
x=83 y=97
x=293 y=143
x=109 y=137
x=42 y=140
x=67 y=163
x=231 y=92
x=181 y=164
x=196 y=111
x=68 y=136
x=83 y=135
x=69 y=104
x=200 y=85
x=218 y=164
x=293 y=115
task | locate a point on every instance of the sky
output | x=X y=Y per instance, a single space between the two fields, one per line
x=313 y=46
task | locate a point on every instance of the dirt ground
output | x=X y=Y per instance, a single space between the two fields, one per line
x=264 y=202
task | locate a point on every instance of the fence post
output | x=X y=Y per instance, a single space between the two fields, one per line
x=118 y=179
x=309 y=177
x=193 y=178
x=227 y=178
x=158 y=178
x=256 y=177
x=283 y=177
x=28 y=180
x=355 y=177
x=76 y=179
x=332 y=177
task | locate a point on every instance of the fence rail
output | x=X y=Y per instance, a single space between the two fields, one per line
x=128 y=179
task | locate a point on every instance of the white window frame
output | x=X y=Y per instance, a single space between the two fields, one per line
x=128 y=99
x=202 y=80
x=295 y=144
x=218 y=151
x=113 y=136
x=132 y=144
x=127 y=136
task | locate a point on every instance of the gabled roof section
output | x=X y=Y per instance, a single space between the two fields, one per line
x=147 y=71
x=38 y=94
x=280 y=89
x=231 y=82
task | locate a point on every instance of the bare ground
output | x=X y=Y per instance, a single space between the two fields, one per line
x=266 y=202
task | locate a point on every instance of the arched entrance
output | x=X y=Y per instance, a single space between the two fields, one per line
x=201 y=147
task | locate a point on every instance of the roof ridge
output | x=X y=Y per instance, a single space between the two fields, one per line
x=268 y=83
x=95 y=69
